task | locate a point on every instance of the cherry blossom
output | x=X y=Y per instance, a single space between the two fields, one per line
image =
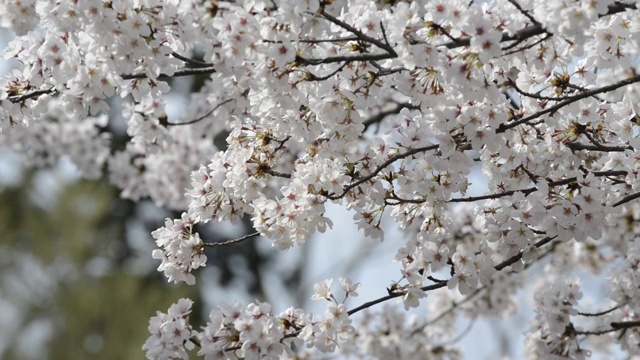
x=392 y=110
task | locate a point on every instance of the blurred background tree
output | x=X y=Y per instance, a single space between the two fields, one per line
x=72 y=276
x=78 y=280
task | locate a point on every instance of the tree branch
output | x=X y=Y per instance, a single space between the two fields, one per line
x=201 y=117
x=526 y=191
x=504 y=127
x=625 y=324
x=142 y=75
x=383 y=114
x=193 y=62
x=359 y=34
x=600 y=313
x=512 y=260
x=598 y=147
x=535 y=29
x=232 y=242
x=524 y=12
x=178 y=73
x=341 y=58
x=626 y=199
x=381 y=167
x=33 y=94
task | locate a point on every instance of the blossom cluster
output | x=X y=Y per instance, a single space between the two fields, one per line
x=390 y=109
x=170 y=333
x=253 y=331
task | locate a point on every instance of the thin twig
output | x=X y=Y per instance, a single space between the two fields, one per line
x=460 y=336
x=476 y=292
x=201 y=117
x=600 y=313
x=510 y=261
x=358 y=33
x=525 y=47
x=536 y=96
x=234 y=241
x=524 y=12
x=526 y=191
x=594 y=332
x=313 y=77
x=453 y=306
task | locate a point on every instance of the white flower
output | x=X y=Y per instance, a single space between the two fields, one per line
x=349 y=287
x=170 y=333
x=322 y=290
x=412 y=297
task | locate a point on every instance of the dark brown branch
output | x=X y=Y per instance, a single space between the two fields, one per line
x=313 y=41
x=383 y=114
x=444 y=32
x=626 y=199
x=33 y=94
x=348 y=58
x=384 y=35
x=512 y=260
x=603 y=147
x=390 y=52
x=597 y=147
x=518 y=35
x=392 y=296
x=625 y=324
x=504 y=127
